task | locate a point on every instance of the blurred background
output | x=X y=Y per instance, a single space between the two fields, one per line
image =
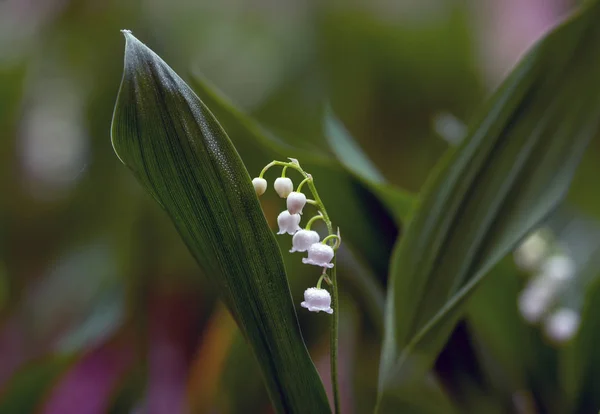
x=102 y=308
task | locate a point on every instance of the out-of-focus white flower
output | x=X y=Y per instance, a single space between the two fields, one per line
x=303 y=239
x=559 y=268
x=319 y=254
x=449 y=128
x=288 y=223
x=531 y=253
x=534 y=302
x=296 y=202
x=562 y=325
x=260 y=185
x=317 y=300
x=283 y=186
x=541 y=293
x=54 y=144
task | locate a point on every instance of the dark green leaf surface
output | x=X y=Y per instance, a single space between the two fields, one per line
x=511 y=172
x=580 y=360
x=509 y=350
x=181 y=155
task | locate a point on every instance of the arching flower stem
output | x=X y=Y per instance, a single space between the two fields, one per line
x=338 y=240
x=320 y=280
x=299 y=189
x=312 y=220
x=308 y=180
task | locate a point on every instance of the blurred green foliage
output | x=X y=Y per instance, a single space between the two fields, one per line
x=87 y=259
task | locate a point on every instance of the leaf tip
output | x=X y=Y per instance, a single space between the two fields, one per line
x=128 y=36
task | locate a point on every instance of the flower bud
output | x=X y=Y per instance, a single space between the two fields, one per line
x=296 y=202
x=319 y=254
x=283 y=186
x=303 y=239
x=288 y=223
x=317 y=300
x=260 y=185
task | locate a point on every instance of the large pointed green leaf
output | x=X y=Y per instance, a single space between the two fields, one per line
x=184 y=159
x=511 y=172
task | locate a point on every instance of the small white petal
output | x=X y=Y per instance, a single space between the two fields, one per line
x=260 y=185
x=317 y=300
x=283 y=186
x=319 y=254
x=288 y=223
x=295 y=202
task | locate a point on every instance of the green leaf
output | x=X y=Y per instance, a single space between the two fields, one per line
x=184 y=159
x=400 y=203
x=511 y=172
x=580 y=361
x=510 y=351
x=502 y=334
x=348 y=151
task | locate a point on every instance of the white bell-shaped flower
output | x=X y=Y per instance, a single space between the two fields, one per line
x=260 y=185
x=303 y=239
x=317 y=300
x=288 y=223
x=319 y=254
x=296 y=202
x=283 y=186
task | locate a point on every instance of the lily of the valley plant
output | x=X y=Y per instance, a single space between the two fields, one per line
x=319 y=252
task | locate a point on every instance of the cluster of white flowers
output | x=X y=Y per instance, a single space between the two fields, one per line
x=552 y=270
x=319 y=252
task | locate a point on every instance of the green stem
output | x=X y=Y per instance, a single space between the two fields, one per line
x=312 y=220
x=333 y=339
x=299 y=189
x=320 y=280
x=333 y=236
x=334 y=288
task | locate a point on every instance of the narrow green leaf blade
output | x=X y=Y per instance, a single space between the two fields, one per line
x=181 y=155
x=348 y=151
x=511 y=172
x=399 y=202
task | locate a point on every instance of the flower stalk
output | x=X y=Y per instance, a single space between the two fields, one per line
x=320 y=253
